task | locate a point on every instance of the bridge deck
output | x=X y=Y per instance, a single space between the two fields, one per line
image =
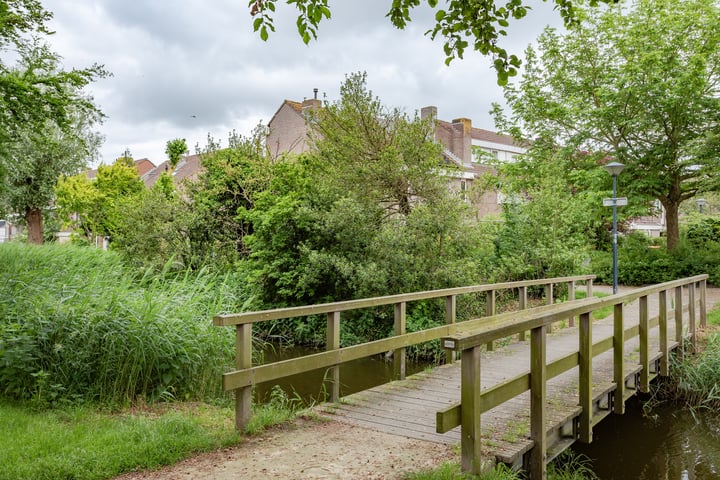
x=408 y=407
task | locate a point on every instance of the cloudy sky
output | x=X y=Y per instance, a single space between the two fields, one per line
x=195 y=67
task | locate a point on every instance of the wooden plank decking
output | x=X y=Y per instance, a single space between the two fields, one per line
x=408 y=407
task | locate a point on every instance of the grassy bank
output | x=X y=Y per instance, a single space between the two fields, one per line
x=694 y=380
x=84 y=443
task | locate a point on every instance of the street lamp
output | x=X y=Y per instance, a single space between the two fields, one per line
x=614 y=169
x=701 y=202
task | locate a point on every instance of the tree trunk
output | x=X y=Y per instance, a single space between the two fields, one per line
x=672 y=225
x=34 y=220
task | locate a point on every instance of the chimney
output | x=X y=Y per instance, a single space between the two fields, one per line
x=462 y=139
x=428 y=112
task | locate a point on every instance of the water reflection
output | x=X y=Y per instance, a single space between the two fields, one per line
x=354 y=376
x=674 y=446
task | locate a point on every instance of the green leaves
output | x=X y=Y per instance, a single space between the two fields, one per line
x=461 y=24
x=633 y=84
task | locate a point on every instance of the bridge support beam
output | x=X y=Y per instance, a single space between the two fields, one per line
x=450 y=315
x=692 y=324
x=522 y=305
x=399 y=353
x=470 y=441
x=489 y=312
x=662 y=325
x=538 y=402
x=619 y=359
x=644 y=345
x=703 y=306
x=333 y=343
x=678 y=317
x=571 y=297
x=585 y=378
x=243 y=359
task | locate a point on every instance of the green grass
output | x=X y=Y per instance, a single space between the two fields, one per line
x=694 y=380
x=600 y=313
x=83 y=443
x=713 y=316
x=568 y=466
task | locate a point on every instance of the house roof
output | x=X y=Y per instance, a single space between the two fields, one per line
x=297 y=106
x=188 y=167
x=494 y=137
x=142 y=166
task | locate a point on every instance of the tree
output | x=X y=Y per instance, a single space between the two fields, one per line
x=359 y=142
x=638 y=84
x=365 y=212
x=175 y=149
x=461 y=23
x=45 y=120
x=99 y=206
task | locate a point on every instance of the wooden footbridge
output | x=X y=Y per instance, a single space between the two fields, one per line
x=522 y=404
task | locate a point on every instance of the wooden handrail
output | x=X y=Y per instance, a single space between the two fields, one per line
x=230 y=319
x=245 y=376
x=468 y=344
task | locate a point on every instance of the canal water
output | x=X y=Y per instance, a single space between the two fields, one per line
x=355 y=376
x=671 y=445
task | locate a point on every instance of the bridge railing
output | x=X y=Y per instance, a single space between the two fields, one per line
x=473 y=401
x=246 y=375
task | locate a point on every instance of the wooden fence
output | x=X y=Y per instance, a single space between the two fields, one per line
x=246 y=375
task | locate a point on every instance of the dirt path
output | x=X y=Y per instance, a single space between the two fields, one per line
x=310 y=449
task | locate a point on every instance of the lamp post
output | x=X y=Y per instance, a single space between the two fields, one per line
x=614 y=169
x=701 y=202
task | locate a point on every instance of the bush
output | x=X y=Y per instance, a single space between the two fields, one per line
x=644 y=261
x=76 y=324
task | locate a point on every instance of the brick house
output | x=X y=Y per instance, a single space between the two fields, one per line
x=465 y=147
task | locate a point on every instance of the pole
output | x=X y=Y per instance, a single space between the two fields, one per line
x=615 y=245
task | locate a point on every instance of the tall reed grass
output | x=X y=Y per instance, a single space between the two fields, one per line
x=76 y=324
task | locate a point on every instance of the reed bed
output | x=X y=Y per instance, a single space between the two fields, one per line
x=77 y=325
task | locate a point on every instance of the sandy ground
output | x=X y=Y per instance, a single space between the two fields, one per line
x=310 y=449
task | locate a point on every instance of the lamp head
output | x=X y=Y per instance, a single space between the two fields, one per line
x=614 y=168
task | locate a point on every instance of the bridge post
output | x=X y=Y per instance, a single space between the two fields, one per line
x=619 y=359
x=585 y=378
x=489 y=312
x=399 y=353
x=522 y=305
x=678 y=317
x=538 y=401
x=450 y=315
x=589 y=288
x=333 y=343
x=703 y=304
x=243 y=359
x=662 y=322
x=644 y=345
x=571 y=297
x=549 y=299
x=470 y=440
x=691 y=316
